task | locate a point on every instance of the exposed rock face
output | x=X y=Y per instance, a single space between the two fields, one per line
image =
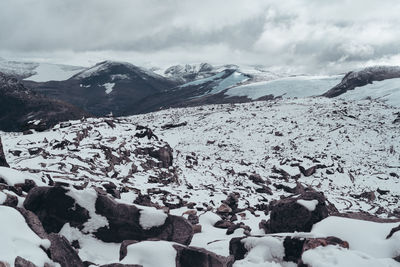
x=21 y=108
x=288 y=215
x=3 y=161
x=21 y=262
x=363 y=77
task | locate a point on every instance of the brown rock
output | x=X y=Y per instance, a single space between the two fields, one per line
x=224 y=209
x=199 y=257
x=62 y=252
x=21 y=262
x=3 y=161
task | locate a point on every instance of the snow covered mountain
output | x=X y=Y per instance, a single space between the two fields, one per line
x=286 y=182
x=107 y=87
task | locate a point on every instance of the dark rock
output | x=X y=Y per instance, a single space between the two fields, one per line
x=293 y=248
x=312 y=243
x=11 y=201
x=124 y=224
x=224 y=209
x=256 y=178
x=223 y=224
x=3 y=161
x=172 y=125
x=237 y=248
x=199 y=257
x=308 y=172
x=21 y=262
x=232 y=201
x=54 y=208
x=62 y=252
x=289 y=216
x=394 y=230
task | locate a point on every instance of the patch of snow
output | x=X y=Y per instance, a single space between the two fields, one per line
x=263 y=251
x=17 y=239
x=87 y=199
x=151 y=254
x=53 y=72
x=205 y=80
x=331 y=256
x=109 y=87
x=151 y=217
x=308 y=204
x=298 y=86
x=388 y=90
x=12 y=177
x=365 y=236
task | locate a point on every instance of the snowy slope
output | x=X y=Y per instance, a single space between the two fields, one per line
x=387 y=90
x=38 y=72
x=297 y=86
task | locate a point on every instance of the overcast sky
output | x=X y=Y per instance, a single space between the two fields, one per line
x=296 y=35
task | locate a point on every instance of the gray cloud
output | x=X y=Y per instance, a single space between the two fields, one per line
x=301 y=35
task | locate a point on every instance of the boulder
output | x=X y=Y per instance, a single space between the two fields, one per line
x=62 y=252
x=199 y=257
x=54 y=208
x=298 y=213
x=123 y=224
x=21 y=262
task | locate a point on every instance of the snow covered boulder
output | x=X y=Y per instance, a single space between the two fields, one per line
x=127 y=222
x=298 y=213
x=55 y=208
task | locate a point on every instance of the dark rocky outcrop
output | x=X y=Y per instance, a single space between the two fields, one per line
x=22 y=109
x=287 y=215
x=363 y=77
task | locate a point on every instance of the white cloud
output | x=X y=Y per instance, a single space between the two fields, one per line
x=303 y=35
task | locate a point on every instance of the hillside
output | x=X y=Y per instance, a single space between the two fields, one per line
x=278 y=183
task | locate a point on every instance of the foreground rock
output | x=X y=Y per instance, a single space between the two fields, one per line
x=3 y=161
x=297 y=213
x=102 y=216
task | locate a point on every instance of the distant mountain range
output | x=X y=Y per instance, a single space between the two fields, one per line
x=122 y=89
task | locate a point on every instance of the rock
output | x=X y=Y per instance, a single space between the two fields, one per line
x=62 y=252
x=11 y=201
x=123 y=249
x=33 y=222
x=287 y=215
x=308 y=172
x=21 y=262
x=197 y=228
x=256 y=178
x=223 y=224
x=394 y=230
x=232 y=201
x=237 y=248
x=3 y=161
x=163 y=154
x=224 y=209
x=54 y=208
x=296 y=246
x=124 y=224
x=199 y=257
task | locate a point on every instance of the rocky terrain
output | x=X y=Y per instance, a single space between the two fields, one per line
x=286 y=182
x=22 y=109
